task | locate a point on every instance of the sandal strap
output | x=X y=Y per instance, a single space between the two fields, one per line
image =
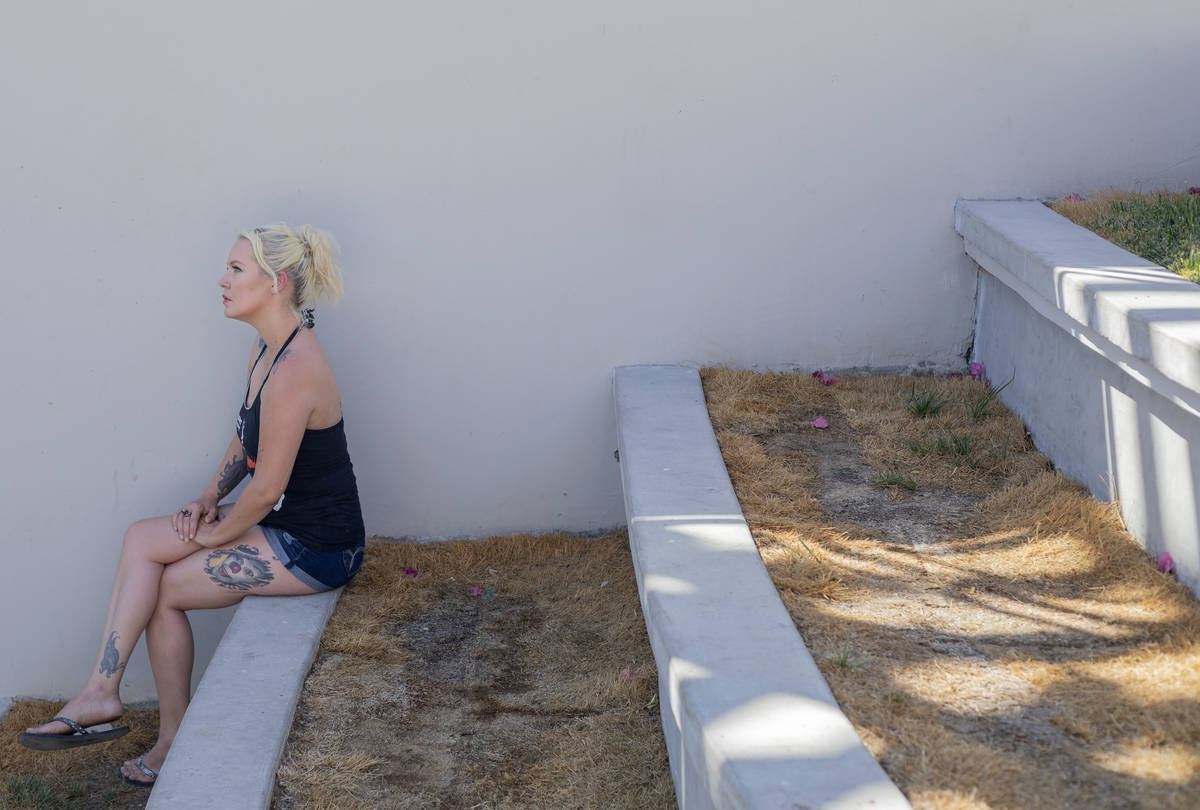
x=78 y=729
x=145 y=769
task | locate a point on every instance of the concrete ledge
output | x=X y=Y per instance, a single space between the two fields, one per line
x=232 y=736
x=1105 y=349
x=1143 y=317
x=748 y=719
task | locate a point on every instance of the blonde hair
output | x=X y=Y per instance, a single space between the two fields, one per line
x=307 y=256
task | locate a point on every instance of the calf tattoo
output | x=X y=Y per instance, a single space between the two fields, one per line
x=110 y=662
x=238 y=569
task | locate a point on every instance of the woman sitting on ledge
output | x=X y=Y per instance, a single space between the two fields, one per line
x=296 y=528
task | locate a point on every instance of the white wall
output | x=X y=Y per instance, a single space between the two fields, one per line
x=527 y=195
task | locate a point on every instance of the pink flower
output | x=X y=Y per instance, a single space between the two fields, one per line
x=1166 y=563
x=1074 y=196
x=410 y=572
x=819 y=423
x=1193 y=189
x=977 y=371
x=475 y=590
x=825 y=379
x=627 y=674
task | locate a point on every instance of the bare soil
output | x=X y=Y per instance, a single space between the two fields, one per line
x=995 y=636
x=507 y=673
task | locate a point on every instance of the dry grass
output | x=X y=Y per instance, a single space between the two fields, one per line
x=537 y=692
x=1095 y=207
x=1016 y=648
x=79 y=778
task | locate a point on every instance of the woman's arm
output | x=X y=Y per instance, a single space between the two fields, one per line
x=287 y=402
x=188 y=520
x=232 y=470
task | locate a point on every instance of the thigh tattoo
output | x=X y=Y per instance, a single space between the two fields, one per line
x=238 y=569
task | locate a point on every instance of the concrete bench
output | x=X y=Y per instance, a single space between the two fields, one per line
x=231 y=739
x=748 y=719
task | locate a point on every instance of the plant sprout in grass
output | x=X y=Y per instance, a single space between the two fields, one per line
x=925 y=403
x=895 y=479
x=844 y=660
x=960 y=447
x=979 y=408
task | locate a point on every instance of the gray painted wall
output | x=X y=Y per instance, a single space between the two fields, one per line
x=527 y=195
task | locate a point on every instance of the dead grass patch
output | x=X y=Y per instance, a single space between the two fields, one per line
x=996 y=637
x=83 y=778
x=511 y=672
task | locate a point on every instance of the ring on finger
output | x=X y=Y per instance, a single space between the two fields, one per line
x=185 y=512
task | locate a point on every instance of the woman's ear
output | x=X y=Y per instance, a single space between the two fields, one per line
x=281 y=280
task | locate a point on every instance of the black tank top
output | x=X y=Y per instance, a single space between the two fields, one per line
x=320 y=506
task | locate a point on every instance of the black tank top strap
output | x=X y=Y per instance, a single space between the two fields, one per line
x=278 y=354
x=250 y=376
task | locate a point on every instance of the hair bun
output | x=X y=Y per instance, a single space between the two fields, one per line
x=307 y=255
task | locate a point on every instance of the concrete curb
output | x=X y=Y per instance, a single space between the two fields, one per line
x=1125 y=307
x=748 y=719
x=233 y=733
x=1119 y=337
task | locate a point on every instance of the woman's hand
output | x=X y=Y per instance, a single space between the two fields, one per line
x=186 y=522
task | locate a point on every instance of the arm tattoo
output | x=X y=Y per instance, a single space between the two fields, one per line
x=238 y=569
x=110 y=662
x=233 y=473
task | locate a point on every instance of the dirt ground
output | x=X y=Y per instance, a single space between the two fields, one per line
x=505 y=673
x=79 y=779
x=995 y=636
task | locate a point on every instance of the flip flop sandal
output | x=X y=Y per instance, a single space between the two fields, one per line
x=80 y=736
x=144 y=769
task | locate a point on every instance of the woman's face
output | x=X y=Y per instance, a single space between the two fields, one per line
x=245 y=288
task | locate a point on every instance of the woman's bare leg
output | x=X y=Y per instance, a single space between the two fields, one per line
x=172 y=652
x=191 y=584
x=149 y=546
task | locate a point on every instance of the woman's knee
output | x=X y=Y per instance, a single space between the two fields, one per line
x=137 y=536
x=150 y=538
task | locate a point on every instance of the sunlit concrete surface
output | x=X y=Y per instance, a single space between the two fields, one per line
x=1105 y=349
x=231 y=739
x=748 y=719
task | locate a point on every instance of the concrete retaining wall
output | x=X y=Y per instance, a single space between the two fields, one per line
x=1105 y=347
x=748 y=719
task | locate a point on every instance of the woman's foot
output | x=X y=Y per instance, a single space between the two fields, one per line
x=86 y=710
x=153 y=760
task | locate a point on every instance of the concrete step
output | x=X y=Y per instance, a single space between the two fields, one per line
x=748 y=719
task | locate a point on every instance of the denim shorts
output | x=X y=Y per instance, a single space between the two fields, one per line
x=320 y=570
